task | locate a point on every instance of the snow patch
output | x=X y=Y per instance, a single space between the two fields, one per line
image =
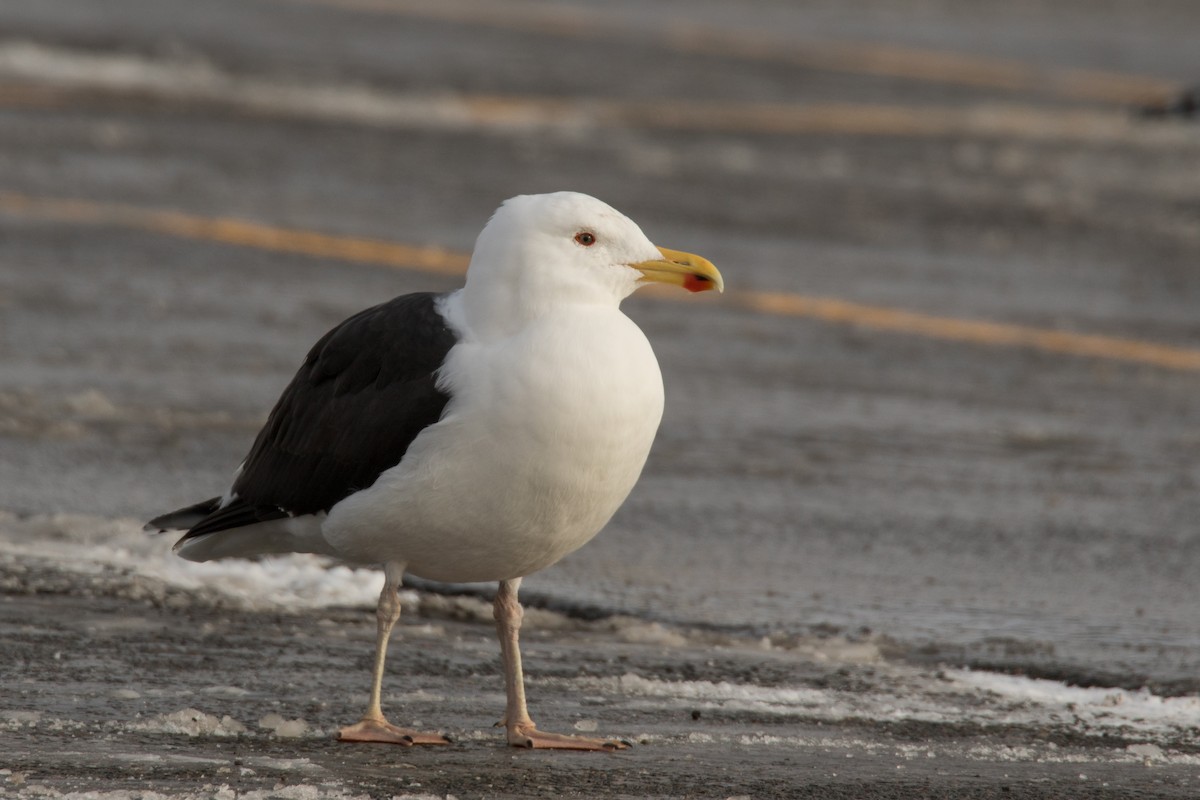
x=906 y=693
x=79 y=543
x=1150 y=752
x=283 y=764
x=1096 y=707
x=636 y=631
x=226 y=691
x=284 y=728
x=298 y=791
x=190 y=722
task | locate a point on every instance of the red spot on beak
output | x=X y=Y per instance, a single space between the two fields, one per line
x=697 y=283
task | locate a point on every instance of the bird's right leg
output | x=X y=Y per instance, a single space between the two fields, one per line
x=373 y=727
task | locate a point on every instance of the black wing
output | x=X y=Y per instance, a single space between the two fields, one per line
x=364 y=392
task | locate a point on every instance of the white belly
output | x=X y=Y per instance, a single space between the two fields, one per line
x=545 y=435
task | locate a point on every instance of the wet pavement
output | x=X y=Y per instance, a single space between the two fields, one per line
x=847 y=454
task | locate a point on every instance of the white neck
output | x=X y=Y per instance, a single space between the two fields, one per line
x=500 y=302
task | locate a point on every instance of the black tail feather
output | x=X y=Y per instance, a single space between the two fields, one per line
x=183 y=519
x=237 y=514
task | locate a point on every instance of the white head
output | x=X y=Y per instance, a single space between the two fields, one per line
x=540 y=252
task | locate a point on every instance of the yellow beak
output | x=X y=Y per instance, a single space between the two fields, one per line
x=692 y=272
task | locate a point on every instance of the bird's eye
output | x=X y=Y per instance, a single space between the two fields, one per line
x=585 y=238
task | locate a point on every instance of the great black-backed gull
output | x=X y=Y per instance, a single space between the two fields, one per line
x=478 y=435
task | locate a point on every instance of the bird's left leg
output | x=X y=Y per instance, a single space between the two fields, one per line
x=521 y=730
x=373 y=727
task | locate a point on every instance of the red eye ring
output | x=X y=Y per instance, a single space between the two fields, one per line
x=585 y=238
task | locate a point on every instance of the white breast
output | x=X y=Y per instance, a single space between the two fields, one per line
x=546 y=434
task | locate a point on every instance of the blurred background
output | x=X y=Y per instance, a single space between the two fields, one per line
x=949 y=405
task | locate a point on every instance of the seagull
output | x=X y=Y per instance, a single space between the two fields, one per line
x=476 y=435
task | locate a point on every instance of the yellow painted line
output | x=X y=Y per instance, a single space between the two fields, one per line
x=876 y=59
x=23 y=95
x=861 y=119
x=973 y=331
x=507 y=113
x=439 y=261
x=930 y=66
x=241 y=233
x=522 y=112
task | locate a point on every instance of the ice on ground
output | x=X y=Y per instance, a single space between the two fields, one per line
x=83 y=544
x=11 y=720
x=190 y=722
x=226 y=691
x=636 y=631
x=283 y=728
x=907 y=693
x=282 y=764
x=1150 y=752
x=299 y=791
x=1015 y=695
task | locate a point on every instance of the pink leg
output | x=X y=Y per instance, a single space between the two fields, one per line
x=521 y=730
x=373 y=727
